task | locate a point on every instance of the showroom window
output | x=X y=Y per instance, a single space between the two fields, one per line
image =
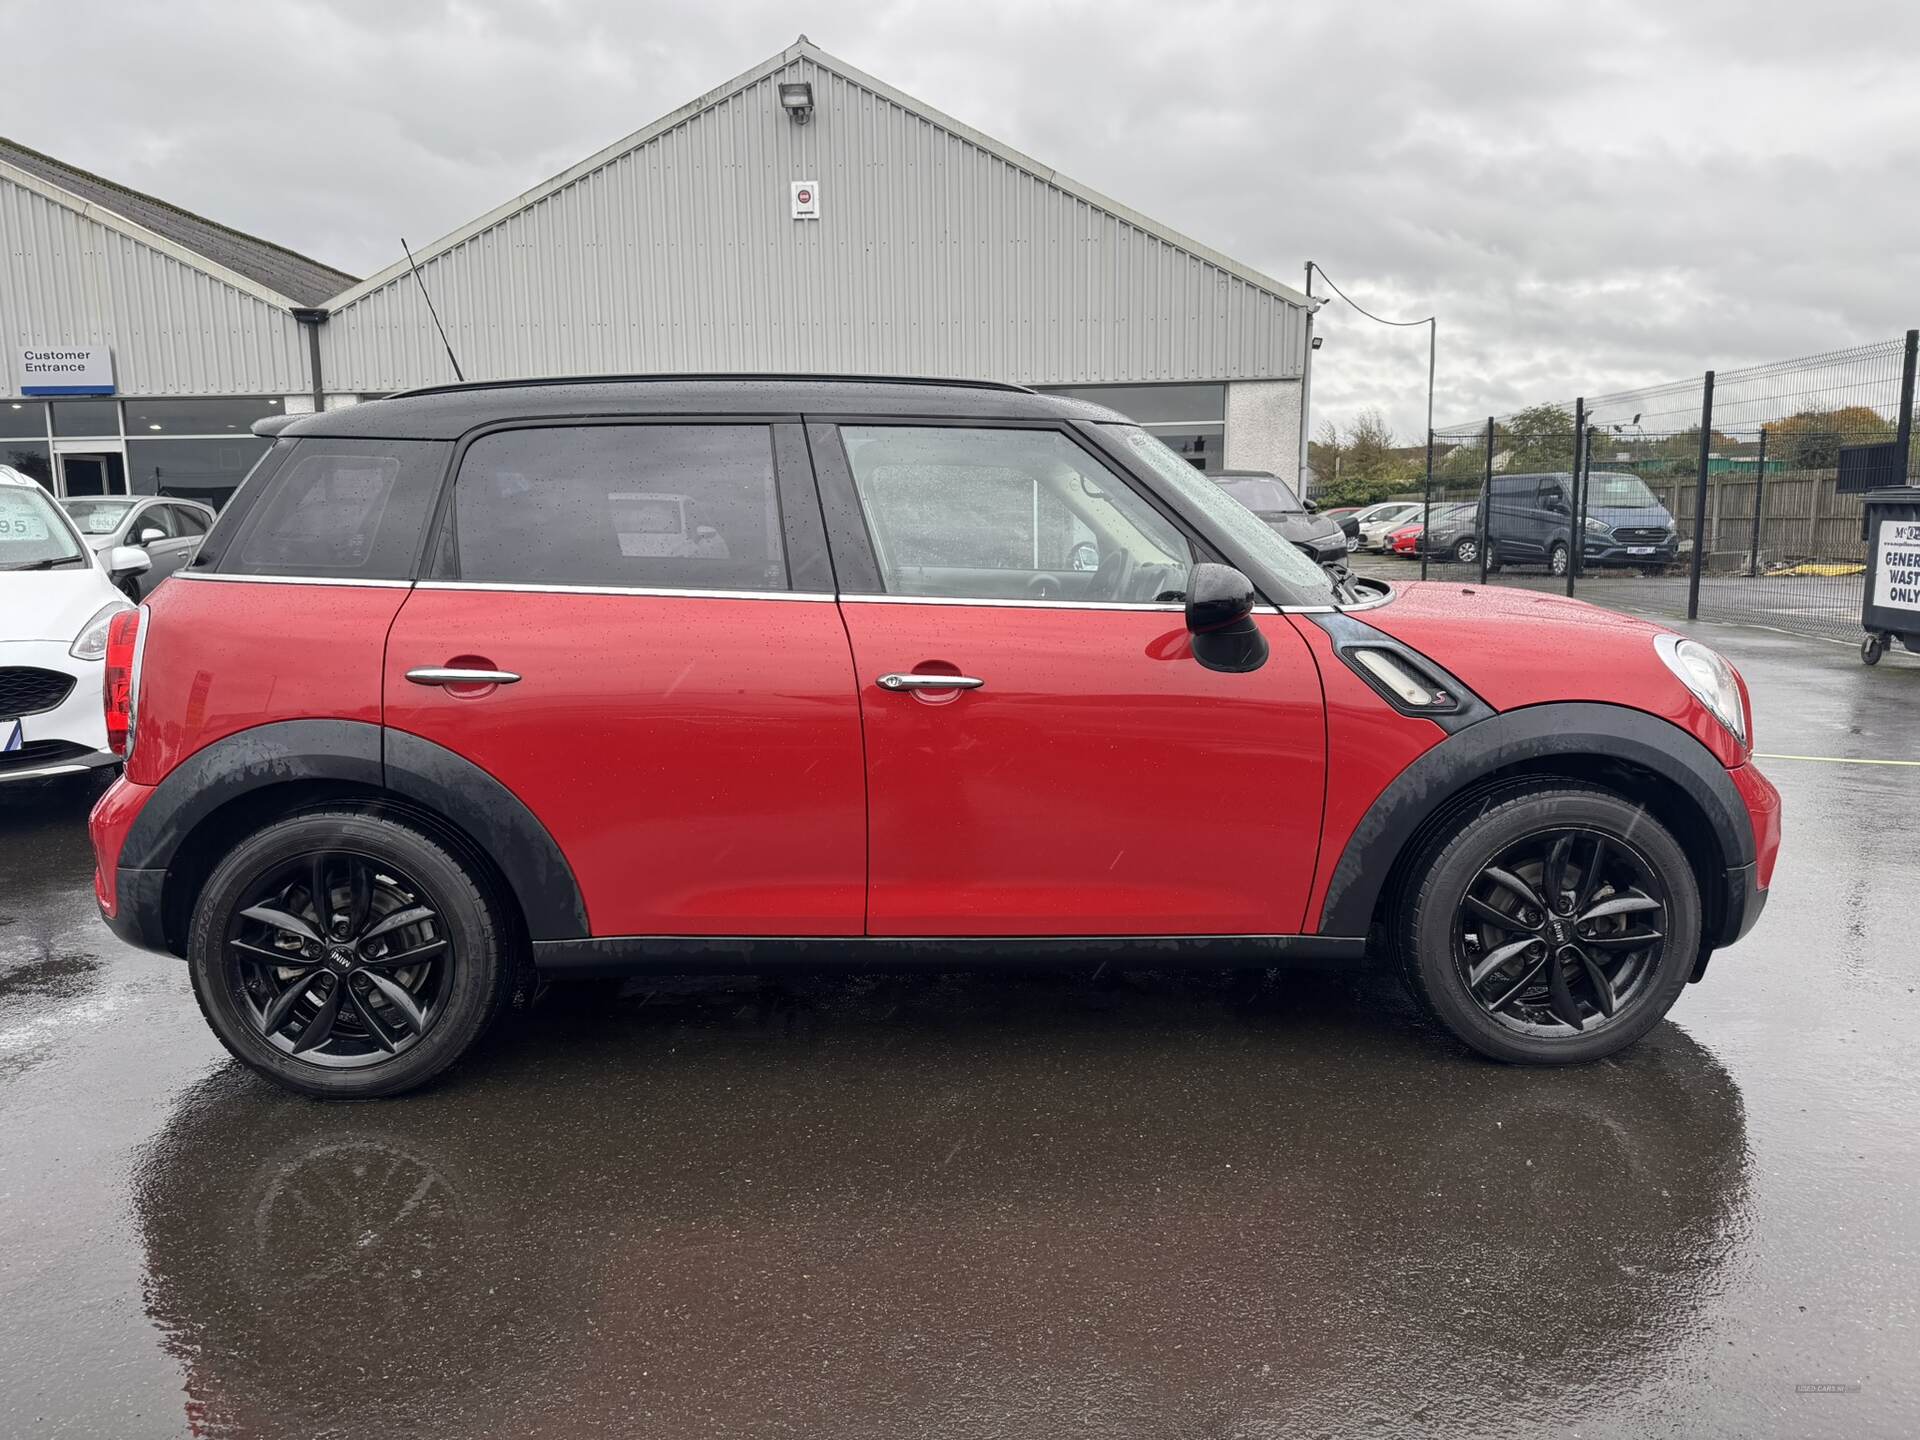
x=1191 y=420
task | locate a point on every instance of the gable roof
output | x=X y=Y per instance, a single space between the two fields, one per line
x=286 y=273
x=804 y=48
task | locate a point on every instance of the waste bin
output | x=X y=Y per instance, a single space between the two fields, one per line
x=1892 y=606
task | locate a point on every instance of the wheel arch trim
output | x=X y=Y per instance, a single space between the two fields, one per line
x=1572 y=730
x=362 y=754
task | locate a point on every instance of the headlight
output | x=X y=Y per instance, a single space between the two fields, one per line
x=1709 y=677
x=1599 y=527
x=92 y=644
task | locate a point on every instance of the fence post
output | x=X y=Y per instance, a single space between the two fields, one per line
x=1486 y=501
x=1579 y=507
x=1759 y=489
x=1906 y=405
x=1700 y=504
x=1426 y=500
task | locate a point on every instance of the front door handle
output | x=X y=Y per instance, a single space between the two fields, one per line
x=431 y=675
x=929 y=682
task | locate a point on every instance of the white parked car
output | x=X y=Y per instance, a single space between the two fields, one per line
x=1379 y=521
x=57 y=598
x=169 y=530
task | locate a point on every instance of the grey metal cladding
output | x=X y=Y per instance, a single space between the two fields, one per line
x=938 y=251
x=72 y=274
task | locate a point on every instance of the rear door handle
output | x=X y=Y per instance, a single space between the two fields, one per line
x=929 y=682
x=431 y=675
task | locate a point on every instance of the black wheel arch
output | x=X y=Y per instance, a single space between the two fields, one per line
x=249 y=779
x=1637 y=755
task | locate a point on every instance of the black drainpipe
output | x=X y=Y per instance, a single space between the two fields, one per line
x=313 y=320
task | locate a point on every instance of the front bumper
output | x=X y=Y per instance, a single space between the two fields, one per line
x=69 y=738
x=1619 y=552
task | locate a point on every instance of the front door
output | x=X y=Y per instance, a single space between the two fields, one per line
x=1096 y=780
x=164 y=533
x=683 y=721
x=92 y=474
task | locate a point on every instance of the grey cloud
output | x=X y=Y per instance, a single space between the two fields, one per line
x=1589 y=197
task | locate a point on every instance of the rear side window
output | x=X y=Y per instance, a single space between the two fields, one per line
x=348 y=509
x=673 y=507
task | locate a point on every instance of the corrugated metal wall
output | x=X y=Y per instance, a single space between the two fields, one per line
x=67 y=280
x=932 y=256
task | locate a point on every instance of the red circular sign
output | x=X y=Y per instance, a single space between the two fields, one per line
x=805 y=197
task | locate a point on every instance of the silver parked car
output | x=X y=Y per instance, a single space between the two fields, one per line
x=170 y=531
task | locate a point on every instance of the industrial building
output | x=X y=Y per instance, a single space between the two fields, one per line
x=803 y=216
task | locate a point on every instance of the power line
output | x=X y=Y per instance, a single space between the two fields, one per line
x=1424 y=320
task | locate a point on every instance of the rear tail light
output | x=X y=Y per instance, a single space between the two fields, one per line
x=122 y=679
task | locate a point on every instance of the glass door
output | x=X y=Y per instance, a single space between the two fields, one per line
x=91 y=472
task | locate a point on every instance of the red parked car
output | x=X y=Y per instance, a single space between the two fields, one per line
x=573 y=678
x=1406 y=540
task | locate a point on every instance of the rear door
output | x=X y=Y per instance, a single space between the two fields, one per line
x=1096 y=780
x=684 y=720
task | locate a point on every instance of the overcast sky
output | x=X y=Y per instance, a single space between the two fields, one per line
x=1590 y=196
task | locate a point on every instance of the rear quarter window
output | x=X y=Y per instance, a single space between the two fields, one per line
x=342 y=509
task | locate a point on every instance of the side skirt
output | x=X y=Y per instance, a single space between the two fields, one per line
x=733 y=954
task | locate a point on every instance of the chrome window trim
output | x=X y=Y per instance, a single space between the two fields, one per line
x=1164 y=608
x=355 y=581
x=527 y=588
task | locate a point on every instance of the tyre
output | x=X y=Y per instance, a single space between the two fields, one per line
x=1557 y=558
x=1549 y=923
x=347 y=956
x=1466 y=551
x=1872 y=648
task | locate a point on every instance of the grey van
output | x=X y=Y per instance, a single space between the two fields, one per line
x=1531 y=519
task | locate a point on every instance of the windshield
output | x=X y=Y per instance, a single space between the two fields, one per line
x=32 y=534
x=97 y=517
x=1283 y=558
x=1625 y=492
x=1262 y=494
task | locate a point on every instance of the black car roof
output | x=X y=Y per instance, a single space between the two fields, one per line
x=445 y=412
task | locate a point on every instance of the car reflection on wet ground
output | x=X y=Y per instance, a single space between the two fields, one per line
x=1047 y=1205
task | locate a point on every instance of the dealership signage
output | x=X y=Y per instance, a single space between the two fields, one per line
x=47 y=370
x=1896 y=579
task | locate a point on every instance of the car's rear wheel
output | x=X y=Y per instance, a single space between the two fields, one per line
x=346 y=956
x=1550 y=923
x=1466 y=551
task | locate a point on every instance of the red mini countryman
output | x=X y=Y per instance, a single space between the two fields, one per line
x=595 y=677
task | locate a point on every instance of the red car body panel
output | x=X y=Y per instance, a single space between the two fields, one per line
x=1369 y=743
x=224 y=656
x=1079 y=791
x=697 y=760
x=1551 y=649
x=1763 y=809
x=112 y=816
x=1405 y=541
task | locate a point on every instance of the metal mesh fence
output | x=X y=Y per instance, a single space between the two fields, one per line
x=1735 y=496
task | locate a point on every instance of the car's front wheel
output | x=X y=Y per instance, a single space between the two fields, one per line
x=1550 y=923
x=1557 y=558
x=346 y=956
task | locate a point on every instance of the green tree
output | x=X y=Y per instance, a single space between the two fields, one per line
x=1811 y=439
x=1537 y=438
x=1367 y=468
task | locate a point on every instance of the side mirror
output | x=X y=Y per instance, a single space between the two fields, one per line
x=125 y=560
x=1313 y=506
x=1220 y=620
x=149 y=535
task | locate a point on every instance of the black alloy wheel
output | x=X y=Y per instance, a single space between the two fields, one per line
x=340 y=959
x=1561 y=932
x=351 y=956
x=1548 y=921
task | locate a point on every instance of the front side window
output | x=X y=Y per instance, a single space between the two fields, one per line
x=986 y=514
x=352 y=509
x=676 y=507
x=32 y=534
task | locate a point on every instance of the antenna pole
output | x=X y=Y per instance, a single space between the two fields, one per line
x=433 y=312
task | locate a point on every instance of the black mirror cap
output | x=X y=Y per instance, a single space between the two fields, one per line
x=1220 y=604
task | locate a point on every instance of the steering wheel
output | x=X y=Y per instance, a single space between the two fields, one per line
x=1043 y=587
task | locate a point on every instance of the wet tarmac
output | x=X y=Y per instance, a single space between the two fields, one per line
x=1041 y=1205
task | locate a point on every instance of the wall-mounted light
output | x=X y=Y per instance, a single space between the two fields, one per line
x=796 y=98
